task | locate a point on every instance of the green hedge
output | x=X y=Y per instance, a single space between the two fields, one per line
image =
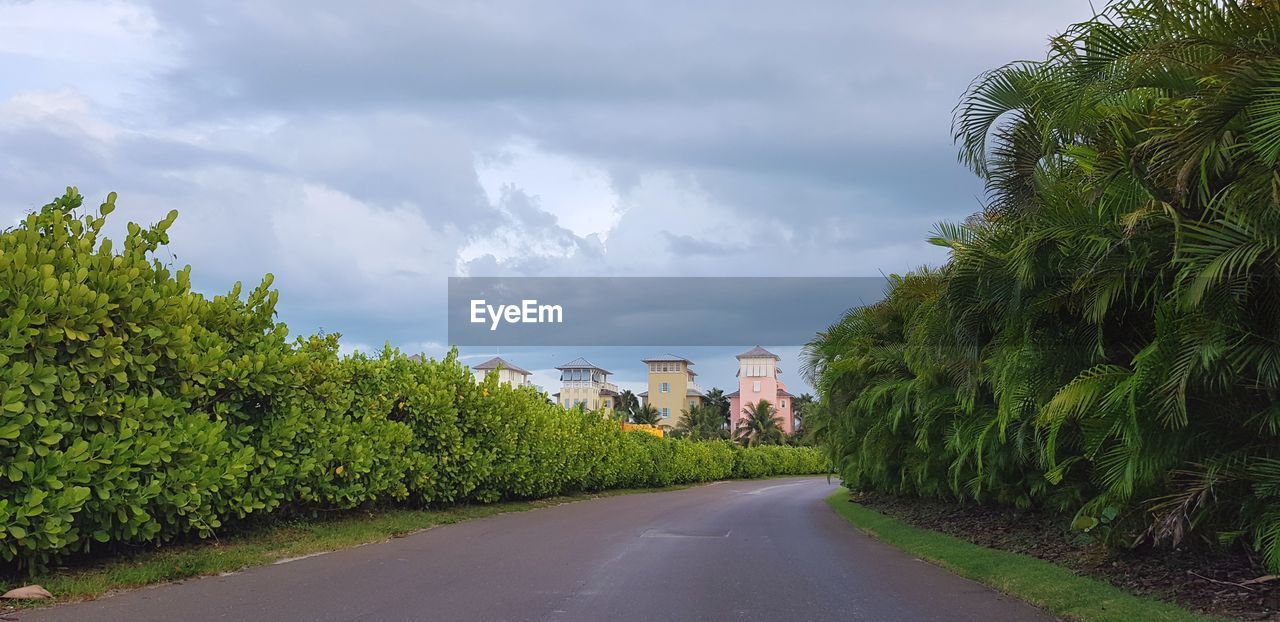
x=134 y=410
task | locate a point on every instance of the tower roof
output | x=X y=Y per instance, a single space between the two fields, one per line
x=758 y=352
x=667 y=358
x=581 y=363
x=494 y=362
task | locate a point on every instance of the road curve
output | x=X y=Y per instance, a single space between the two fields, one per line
x=764 y=550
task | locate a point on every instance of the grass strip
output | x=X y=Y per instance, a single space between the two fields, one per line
x=1049 y=586
x=263 y=545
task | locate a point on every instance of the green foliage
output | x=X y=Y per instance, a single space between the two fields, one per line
x=717 y=399
x=646 y=415
x=1105 y=338
x=760 y=425
x=702 y=422
x=767 y=460
x=134 y=410
x=627 y=404
x=1056 y=589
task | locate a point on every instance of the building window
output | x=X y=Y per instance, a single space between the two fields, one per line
x=755 y=386
x=566 y=402
x=665 y=387
x=666 y=412
x=783 y=404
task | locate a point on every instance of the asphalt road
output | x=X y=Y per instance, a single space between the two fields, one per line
x=767 y=550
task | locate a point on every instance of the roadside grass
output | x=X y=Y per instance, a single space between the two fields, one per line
x=1053 y=588
x=269 y=543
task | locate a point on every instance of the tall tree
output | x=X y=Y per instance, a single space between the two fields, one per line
x=760 y=425
x=701 y=422
x=628 y=403
x=799 y=405
x=646 y=414
x=717 y=399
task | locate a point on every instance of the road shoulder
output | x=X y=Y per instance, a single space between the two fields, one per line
x=1053 y=588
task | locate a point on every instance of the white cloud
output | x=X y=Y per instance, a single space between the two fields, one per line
x=364 y=156
x=109 y=51
x=578 y=194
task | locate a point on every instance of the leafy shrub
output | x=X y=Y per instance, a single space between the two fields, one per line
x=134 y=410
x=1103 y=339
x=767 y=460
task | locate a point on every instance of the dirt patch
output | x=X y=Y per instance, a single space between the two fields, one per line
x=1203 y=580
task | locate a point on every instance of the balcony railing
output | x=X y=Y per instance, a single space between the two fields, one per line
x=588 y=384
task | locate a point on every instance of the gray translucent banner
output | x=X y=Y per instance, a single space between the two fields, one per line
x=650 y=311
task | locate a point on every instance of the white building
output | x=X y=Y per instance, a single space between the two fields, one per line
x=508 y=372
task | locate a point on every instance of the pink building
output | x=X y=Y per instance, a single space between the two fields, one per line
x=758 y=379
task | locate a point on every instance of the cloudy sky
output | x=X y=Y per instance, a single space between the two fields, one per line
x=363 y=152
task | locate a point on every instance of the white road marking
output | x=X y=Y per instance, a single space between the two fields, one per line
x=659 y=533
x=768 y=488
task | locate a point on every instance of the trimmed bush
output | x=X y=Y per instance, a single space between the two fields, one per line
x=134 y=410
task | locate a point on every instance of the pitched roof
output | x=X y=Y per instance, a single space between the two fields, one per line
x=494 y=362
x=734 y=394
x=581 y=363
x=758 y=352
x=667 y=358
x=693 y=393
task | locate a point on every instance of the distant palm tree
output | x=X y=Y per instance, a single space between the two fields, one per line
x=701 y=422
x=760 y=425
x=627 y=404
x=800 y=406
x=717 y=399
x=646 y=414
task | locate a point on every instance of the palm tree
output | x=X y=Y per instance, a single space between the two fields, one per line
x=717 y=399
x=628 y=403
x=647 y=415
x=701 y=422
x=1105 y=336
x=799 y=405
x=760 y=425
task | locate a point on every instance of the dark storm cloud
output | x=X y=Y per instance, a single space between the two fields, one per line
x=840 y=108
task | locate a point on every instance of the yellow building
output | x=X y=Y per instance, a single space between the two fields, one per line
x=586 y=385
x=672 y=388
